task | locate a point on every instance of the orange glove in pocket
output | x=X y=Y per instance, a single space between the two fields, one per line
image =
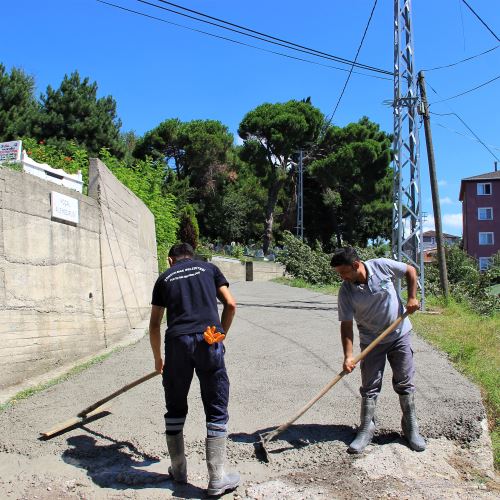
x=212 y=336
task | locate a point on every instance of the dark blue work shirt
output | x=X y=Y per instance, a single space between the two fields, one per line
x=188 y=291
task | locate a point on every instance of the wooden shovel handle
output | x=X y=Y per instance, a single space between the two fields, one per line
x=125 y=388
x=332 y=382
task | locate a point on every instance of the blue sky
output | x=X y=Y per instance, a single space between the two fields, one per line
x=156 y=71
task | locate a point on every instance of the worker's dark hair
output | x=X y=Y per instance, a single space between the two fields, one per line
x=181 y=250
x=344 y=256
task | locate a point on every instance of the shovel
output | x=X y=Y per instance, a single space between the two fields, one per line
x=260 y=446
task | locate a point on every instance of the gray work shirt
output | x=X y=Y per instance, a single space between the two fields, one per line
x=376 y=304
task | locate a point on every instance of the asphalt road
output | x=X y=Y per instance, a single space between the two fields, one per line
x=284 y=346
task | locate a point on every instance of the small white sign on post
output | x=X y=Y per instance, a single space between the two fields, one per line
x=64 y=207
x=10 y=151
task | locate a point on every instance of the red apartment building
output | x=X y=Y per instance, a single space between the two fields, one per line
x=480 y=197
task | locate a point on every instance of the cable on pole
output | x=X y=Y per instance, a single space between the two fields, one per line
x=481 y=20
x=240 y=27
x=355 y=59
x=467 y=91
x=462 y=60
x=237 y=42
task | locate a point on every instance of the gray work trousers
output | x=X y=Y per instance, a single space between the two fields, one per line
x=400 y=356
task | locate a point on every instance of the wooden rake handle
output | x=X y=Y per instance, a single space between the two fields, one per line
x=125 y=388
x=330 y=384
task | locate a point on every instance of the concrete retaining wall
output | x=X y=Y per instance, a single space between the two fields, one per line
x=128 y=252
x=66 y=290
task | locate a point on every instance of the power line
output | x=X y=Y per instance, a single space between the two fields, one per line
x=238 y=42
x=462 y=60
x=267 y=39
x=497 y=148
x=467 y=91
x=470 y=130
x=355 y=59
x=462 y=121
x=480 y=19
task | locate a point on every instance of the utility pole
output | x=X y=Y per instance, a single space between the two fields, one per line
x=300 y=199
x=407 y=198
x=443 y=272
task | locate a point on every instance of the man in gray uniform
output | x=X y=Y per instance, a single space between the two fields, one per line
x=368 y=295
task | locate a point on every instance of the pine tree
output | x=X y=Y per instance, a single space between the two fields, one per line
x=73 y=112
x=188 y=227
x=18 y=106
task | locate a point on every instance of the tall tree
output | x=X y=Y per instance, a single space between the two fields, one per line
x=161 y=143
x=276 y=132
x=73 y=112
x=197 y=155
x=356 y=181
x=18 y=106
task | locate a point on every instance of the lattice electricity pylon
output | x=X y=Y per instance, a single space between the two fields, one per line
x=406 y=213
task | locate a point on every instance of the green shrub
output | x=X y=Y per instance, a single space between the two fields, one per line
x=189 y=231
x=467 y=284
x=302 y=262
x=237 y=251
x=71 y=158
x=145 y=179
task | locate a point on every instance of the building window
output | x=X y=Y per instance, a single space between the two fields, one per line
x=485 y=213
x=486 y=239
x=483 y=188
x=484 y=263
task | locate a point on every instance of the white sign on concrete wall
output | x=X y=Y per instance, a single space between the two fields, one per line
x=10 y=151
x=64 y=207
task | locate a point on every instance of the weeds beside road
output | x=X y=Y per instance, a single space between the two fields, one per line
x=471 y=341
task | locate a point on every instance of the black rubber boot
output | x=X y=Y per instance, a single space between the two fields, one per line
x=366 y=428
x=409 y=422
x=219 y=481
x=178 y=469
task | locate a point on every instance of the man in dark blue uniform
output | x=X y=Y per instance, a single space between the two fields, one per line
x=188 y=290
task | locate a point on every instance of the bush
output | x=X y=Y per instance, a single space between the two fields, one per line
x=467 y=284
x=188 y=227
x=237 y=251
x=302 y=262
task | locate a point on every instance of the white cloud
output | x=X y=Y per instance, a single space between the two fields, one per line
x=442 y=182
x=446 y=201
x=238 y=140
x=453 y=220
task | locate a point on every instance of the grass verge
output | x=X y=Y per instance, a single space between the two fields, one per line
x=26 y=393
x=472 y=343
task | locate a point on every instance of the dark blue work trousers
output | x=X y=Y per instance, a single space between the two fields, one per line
x=184 y=355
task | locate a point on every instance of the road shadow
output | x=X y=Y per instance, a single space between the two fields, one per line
x=119 y=465
x=303 y=435
x=283 y=306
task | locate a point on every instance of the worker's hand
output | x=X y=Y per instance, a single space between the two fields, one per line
x=159 y=365
x=412 y=305
x=348 y=365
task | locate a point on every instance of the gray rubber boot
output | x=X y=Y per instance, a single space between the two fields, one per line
x=178 y=469
x=219 y=482
x=409 y=422
x=366 y=428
